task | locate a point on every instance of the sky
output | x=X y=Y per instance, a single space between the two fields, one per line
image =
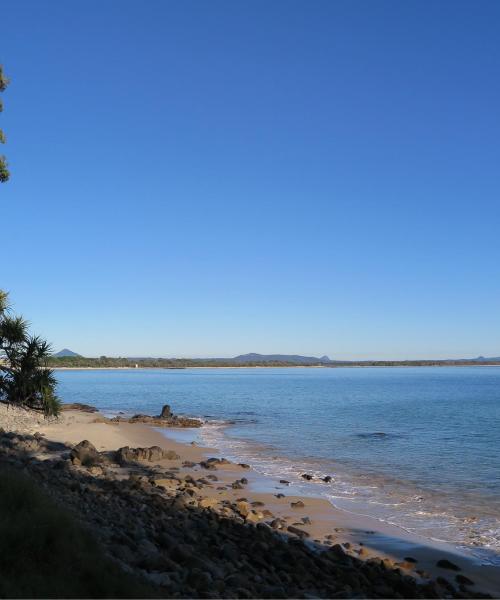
x=199 y=178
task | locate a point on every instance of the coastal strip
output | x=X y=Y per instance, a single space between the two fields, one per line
x=188 y=522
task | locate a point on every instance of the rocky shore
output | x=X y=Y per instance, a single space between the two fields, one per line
x=192 y=528
x=165 y=419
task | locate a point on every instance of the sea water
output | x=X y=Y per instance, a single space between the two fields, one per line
x=415 y=447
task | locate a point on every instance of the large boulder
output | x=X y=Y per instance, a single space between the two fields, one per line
x=85 y=454
x=166 y=413
x=152 y=454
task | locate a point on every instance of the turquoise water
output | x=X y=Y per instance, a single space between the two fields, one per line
x=417 y=447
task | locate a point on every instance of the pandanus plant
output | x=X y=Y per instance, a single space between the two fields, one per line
x=25 y=379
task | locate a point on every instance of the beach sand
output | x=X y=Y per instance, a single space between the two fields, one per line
x=362 y=536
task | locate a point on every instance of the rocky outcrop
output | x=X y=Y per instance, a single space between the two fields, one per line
x=164 y=419
x=152 y=454
x=80 y=407
x=85 y=454
x=166 y=413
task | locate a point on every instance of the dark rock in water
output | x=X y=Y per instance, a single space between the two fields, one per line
x=446 y=564
x=280 y=495
x=78 y=406
x=306 y=476
x=284 y=481
x=410 y=559
x=243 y=465
x=151 y=454
x=463 y=580
x=166 y=413
x=298 y=504
x=327 y=479
x=85 y=454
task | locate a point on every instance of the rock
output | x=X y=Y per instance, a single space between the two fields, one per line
x=277 y=524
x=463 y=580
x=306 y=520
x=280 y=495
x=200 y=580
x=410 y=559
x=298 y=504
x=243 y=508
x=166 y=413
x=167 y=483
x=253 y=517
x=161 y=579
x=96 y=470
x=207 y=502
x=85 y=454
x=78 y=406
x=296 y=531
x=159 y=421
x=205 y=464
x=154 y=453
x=284 y=482
x=306 y=476
x=243 y=465
x=327 y=479
x=446 y=564
x=244 y=481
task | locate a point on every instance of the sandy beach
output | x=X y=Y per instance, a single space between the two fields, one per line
x=365 y=536
x=229 y=490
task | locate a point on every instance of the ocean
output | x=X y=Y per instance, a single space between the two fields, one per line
x=415 y=447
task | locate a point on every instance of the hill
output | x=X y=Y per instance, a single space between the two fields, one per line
x=65 y=352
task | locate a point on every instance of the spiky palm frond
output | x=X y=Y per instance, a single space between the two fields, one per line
x=25 y=379
x=4 y=302
x=13 y=330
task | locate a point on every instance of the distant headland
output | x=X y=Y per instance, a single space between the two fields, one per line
x=68 y=359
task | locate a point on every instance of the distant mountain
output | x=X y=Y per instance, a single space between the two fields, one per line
x=479 y=359
x=65 y=352
x=290 y=358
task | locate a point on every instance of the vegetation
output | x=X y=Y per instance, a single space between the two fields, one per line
x=25 y=379
x=45 y=553
x=4 y=171
x=81 y=362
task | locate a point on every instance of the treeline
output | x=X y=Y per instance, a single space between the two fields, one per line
x=104 y=362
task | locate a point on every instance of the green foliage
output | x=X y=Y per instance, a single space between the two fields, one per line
x=25 y=379
x=45 y=553
x=4 y=171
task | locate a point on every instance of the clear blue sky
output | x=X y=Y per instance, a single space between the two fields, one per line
x=211 y=178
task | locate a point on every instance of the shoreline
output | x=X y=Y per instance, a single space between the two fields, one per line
x=366 y=536
x=373 y=536
x=224 y=486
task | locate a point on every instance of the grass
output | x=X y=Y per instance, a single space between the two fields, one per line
x=46 y=553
